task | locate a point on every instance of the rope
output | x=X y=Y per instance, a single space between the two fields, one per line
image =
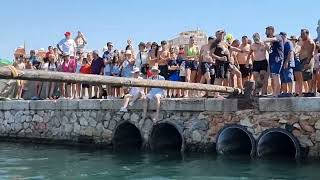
x=14 y=71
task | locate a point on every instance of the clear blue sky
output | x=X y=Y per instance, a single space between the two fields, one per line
x=42 y=22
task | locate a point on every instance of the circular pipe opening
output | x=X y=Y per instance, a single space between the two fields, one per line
x=235 y=140
x=278 y=143
x=165 y=137
x=127 y=137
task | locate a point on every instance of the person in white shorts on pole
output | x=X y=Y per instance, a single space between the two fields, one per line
x=154 y=94
x=134 y=93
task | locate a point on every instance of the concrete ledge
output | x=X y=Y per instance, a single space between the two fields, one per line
x=14 y=105
x=194 y=105
x=116 y=104
x=224 y=105
x=183 y=104
x=67 y=104
x=90 y=104
x=303 y=104
x=43 y=105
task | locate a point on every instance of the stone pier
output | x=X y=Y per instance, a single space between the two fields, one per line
x=290 y=124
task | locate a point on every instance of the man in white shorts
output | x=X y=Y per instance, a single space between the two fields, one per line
x=154 y=93
x=135 y=92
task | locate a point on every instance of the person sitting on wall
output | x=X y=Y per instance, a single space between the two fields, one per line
x=154 y=94
x=134 y=93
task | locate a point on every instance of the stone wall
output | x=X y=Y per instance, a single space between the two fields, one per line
x=198 y=120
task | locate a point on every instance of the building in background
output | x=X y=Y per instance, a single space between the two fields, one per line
x=200 y=37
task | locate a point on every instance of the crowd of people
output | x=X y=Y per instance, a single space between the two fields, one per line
x=289 y=65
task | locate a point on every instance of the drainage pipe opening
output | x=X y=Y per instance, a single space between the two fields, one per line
x=165 y=137
x=235 y=140
x=278 y=143
x=127 y=137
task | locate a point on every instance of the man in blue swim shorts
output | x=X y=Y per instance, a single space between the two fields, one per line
x=275 y=58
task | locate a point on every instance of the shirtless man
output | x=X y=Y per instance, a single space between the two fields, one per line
x=260 y=63
x=206 y=64
x=234 y=65
x=80 y=41
x=163 y=58
x=243 y=59
x=306 y=57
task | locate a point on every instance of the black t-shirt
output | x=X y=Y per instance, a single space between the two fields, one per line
x=173 y=62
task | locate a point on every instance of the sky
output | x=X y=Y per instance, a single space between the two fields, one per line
x=40 y=23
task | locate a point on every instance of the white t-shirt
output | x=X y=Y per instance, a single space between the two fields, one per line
x=141 y=58
x=134 y=91
x=67 y=46
x=45 y=66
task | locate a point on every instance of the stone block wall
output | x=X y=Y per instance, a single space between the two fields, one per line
x=199 y=120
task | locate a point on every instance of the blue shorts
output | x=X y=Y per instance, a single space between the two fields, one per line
x=286 y=75
x=298 y=66
x=275 y=67
x=193 y=65
x=174 y=77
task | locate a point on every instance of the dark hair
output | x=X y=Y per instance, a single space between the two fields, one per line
x=305 y=30
x=244 y=37
x=46 y=59
x=210 y=38
x=235 y=41
x=270 y=27
x=163 y=42
x=109 y=43
x=142 y=44
x=116 y=58
x=85 y=59
x=157 y=48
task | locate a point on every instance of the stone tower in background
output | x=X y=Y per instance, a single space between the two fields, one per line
x=183 y=38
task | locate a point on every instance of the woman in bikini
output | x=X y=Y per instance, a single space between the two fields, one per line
x=192 y=62
x=153 y=57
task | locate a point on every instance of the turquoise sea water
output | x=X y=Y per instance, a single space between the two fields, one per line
x=29 y=161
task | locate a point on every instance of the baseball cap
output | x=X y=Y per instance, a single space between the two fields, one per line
x=67 y=33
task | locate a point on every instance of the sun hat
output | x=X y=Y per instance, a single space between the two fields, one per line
x=135 y=70
x=155 y=69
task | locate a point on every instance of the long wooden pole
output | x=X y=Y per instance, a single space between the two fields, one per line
x=38 y=75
